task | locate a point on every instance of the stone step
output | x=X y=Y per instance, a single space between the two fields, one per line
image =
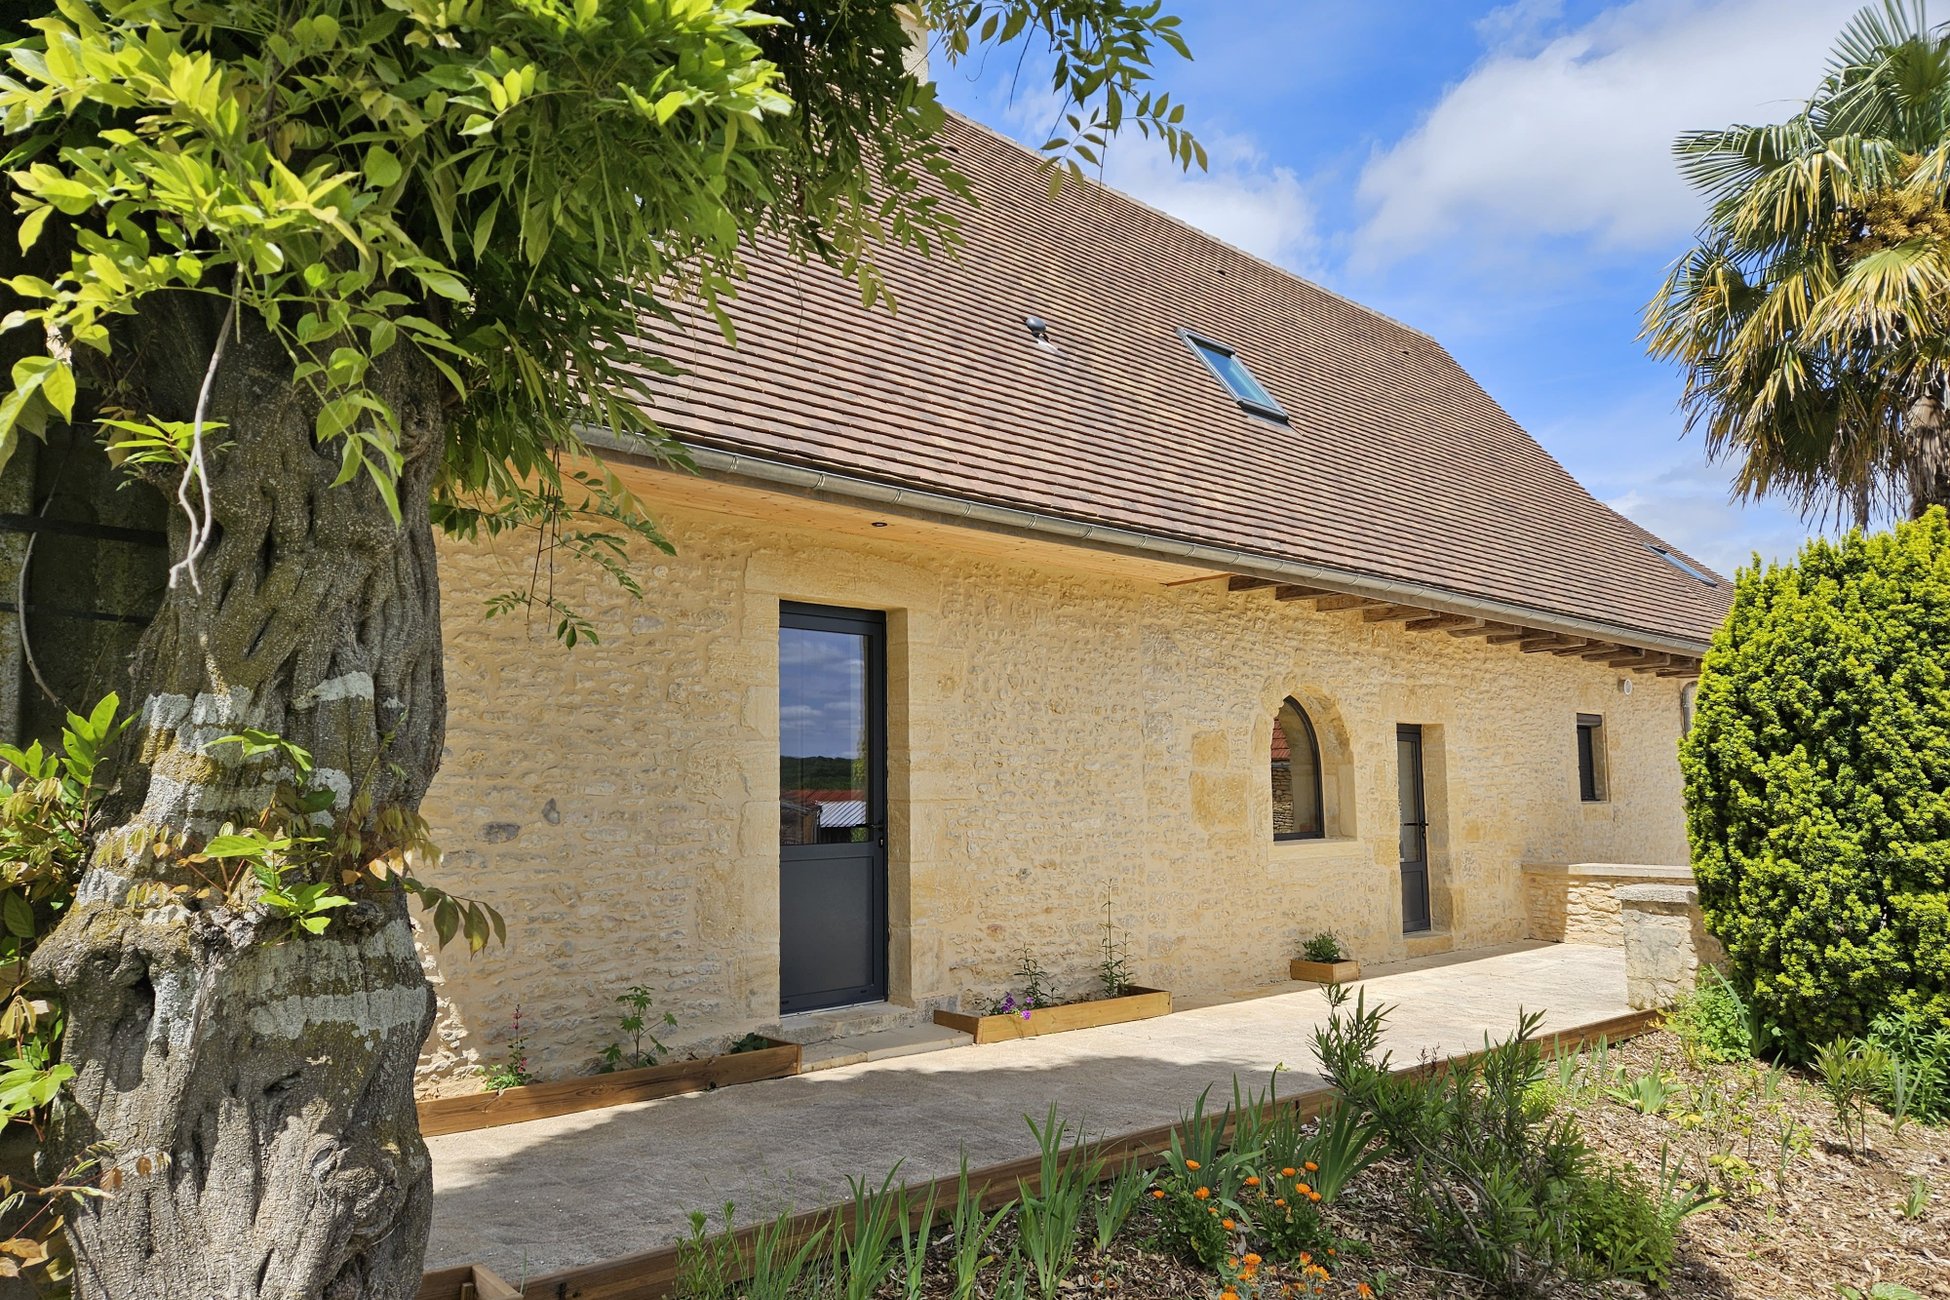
x=880 y=1045
x=810 y=1027
x=1429 y=943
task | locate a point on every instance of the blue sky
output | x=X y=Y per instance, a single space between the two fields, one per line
x=1497 y=175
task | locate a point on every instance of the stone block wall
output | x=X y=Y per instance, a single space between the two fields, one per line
x=1666 y=943
x=1578 y=902
x=1060 y=721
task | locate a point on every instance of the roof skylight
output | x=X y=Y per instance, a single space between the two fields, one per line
x=1231 y=371
x=1681 y=565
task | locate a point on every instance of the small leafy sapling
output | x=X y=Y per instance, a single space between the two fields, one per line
x=636 y=1023
x=1324 y=946
x=1113 y=962
x=512 y=1072
x=1035 y=989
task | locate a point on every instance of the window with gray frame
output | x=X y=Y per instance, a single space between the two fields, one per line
x=1591 y=758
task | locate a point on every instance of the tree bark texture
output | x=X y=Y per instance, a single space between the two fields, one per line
x=251 y=1090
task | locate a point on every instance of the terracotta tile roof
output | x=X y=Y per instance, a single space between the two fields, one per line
x=1396 y=465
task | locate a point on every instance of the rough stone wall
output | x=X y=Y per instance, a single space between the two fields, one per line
x=1052 y=732
x=1666 y=943
x=1579 y=903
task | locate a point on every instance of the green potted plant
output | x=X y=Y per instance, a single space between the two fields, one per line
x=1324 y=959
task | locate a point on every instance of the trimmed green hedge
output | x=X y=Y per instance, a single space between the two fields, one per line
x=1818 y=784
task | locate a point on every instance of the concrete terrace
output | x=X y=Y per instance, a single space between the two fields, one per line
x=531 y=1199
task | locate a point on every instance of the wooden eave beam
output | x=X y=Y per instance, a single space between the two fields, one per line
x=1552 y=643
x=1512 y=637
x=1240 y=582
x=1579 y=649
x=1392 y=614
x=1489 y=630
x=1442 y=623
x=1341 y=602
x=1292 y=591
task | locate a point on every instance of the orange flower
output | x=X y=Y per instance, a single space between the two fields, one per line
x=1280 y=1203
x=1212 y=1210
x=1305 y=1259
x=1363 y=1290
x=1203 y=1193
x=1302 y=1188
x=1158 y=1194
x=1330 y=1250
x=1314 y=1197
x=1228 y=1294
x=1227 y=1224
x=1312 y=1168
x=1253 y=1260
x=1252 y=1180
x=1191 y=1164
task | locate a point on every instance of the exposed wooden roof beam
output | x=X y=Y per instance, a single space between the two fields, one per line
x=1341 y=602
x=1514 y=635
x=1579 y=649
x=1489 y=630
x=1240 y=582
x=1292 y=591
x=1607 y=653
x=1551 y=642
x=1392 y=614
x=1637 y=659
x=1441 y=623
x=1685 y=668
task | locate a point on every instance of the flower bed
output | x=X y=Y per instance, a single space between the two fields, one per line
x=1134 y=1004
x=592 y=1092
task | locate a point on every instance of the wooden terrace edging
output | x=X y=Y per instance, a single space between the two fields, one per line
x=652 y=1275
x=443 y=1115
x=1136 y=1003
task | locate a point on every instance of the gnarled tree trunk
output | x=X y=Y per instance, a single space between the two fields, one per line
x=254 y=1089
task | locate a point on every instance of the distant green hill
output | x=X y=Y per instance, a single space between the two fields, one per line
x=816 y=773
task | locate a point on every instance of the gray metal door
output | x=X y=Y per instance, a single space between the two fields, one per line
x=1415 y=829
x=832 y=807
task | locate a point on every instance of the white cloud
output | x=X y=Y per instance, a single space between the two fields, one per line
x=1241 y=198
x=1571 y=134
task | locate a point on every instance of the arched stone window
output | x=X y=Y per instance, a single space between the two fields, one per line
x=1297 y=803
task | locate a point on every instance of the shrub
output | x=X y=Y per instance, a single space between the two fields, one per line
x=1817 y=781
x=1621 y=1227
x=1713 y=1022
x=1922 y=1053
x=1324 y=947
x=1504 y=1193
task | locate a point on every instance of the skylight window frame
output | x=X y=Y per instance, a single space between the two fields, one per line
x=1270 y=409
x=1683 y=565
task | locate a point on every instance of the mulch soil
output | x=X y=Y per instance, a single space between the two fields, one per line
x=1781 y=1229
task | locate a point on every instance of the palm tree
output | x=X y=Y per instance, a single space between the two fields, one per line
x=1812 y=319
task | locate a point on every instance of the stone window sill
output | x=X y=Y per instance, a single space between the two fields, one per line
x=1334 y=846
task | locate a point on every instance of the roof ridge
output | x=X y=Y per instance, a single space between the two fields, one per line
x=1201 y=233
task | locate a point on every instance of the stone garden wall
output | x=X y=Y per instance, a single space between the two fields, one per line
x=1578 y=902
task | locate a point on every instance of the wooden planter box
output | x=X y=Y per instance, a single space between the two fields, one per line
x=1324 y=972
x=467 y=1282
x=593 y=1092
x=1138 y=1004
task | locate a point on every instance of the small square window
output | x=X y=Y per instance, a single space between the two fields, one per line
x=1591 y=758
x=1232 y=372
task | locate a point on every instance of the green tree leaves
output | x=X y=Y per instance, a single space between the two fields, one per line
x=1818 y=783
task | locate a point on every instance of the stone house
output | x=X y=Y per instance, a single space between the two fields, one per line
x=1116 y=575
